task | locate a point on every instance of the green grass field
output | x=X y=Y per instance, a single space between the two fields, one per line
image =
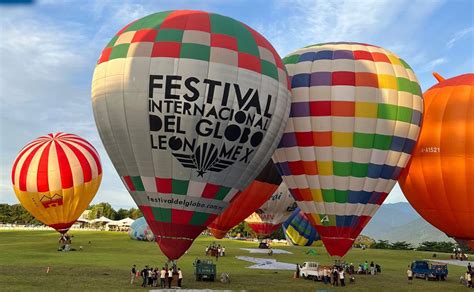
x=104 y=265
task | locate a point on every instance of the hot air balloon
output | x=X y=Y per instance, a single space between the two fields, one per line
x=299 y=230
x=139 y=230
x=438 y=181
x=190 y=106
x=355 y=117
x=259 y=191
x=55 y=177
x=272 y=213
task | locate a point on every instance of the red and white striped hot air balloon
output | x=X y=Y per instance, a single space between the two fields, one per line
x=55 y=178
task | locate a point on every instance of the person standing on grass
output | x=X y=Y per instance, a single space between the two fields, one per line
x=469 y=268
x=335 y=277
x=144 y=275
x=133 y=273
x=341 y=277
x=162 y=277
x=170 y=277
x=409 y=275
x=372 y=268
x=180 y=277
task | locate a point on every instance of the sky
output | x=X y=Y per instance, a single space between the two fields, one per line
x=48 y=52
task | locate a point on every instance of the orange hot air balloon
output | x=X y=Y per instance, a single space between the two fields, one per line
x=438 y=182
x=55 y=178
x=259 y=191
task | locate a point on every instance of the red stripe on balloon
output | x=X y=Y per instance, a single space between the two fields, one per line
x=85 y=166
x=20 y=155
x=64 y=167
x=25 y=166
x=42 y=179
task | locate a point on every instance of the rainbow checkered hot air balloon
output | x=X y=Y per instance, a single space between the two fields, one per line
x=298 y=229
x=190 y=106
x=55 y=177
x=355 y=118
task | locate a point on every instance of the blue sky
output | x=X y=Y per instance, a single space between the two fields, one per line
x=48 y=52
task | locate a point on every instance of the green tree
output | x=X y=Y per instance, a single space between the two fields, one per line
x=401 y=245
x=102 y=209
x=134 y=213
x=381 y=244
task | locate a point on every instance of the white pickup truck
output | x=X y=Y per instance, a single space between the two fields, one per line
x=311 y=270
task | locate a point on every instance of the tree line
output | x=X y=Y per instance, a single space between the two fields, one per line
x=17 y=214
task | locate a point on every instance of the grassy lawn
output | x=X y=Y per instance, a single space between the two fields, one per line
x=104 y=264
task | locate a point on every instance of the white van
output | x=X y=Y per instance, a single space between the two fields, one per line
x=310 y=270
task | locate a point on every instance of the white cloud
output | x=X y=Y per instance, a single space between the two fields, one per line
x=430 y=66
x=459 y=35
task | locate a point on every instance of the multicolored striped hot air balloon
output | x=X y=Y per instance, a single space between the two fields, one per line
x=249 y=200
x=139 y=230
x=355 y=118
x=438 y=181
x=190 y=106
x=272 y=213
x=299 y=230
x=55 y=177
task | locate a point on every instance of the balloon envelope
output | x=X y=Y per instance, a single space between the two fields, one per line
x=139 y=230
x=272 y=213
x=189 y=105
x=55 y=177
x=259 y=191
x=355 y=117
x=438 y=181
x=299 y=230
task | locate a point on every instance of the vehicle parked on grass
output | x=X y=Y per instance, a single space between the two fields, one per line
x=310 y=270
x=429 y=270
x=204 y=270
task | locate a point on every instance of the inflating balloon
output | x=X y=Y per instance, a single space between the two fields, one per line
x=249 y=200
x=139 y=230
x=272 y=213
x=438 y=181
x=55 y=177
x=190 y=106
x=299 y=230
x=355 y=117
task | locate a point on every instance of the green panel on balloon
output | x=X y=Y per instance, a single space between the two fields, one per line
x=199 y=218
x=222 y=24
x=382 y=142
x=119 y=51
x=341 y=196
x=246 y=42
x=269 y=69
x=150 y=21
x=329 y=196
x=404 y=114
x=180 y=187
x=170 y=35
x=161 y=214
x=341 y=168
x=222 y=193
x=363 y=140
x=137 y=183
x=195 y=51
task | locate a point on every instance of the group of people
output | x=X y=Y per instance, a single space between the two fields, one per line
x=334 y=276
x=366 y=269
x=458 y=254
x=152 y=277
x=65 y=241
x=215 y=250
x=468 y=278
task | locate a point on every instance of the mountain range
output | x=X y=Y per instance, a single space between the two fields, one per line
x=400 y=222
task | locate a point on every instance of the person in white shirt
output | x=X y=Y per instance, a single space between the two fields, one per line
x=170 y=278
x=162 y=277
x=409 y=275
x=223 y=251
x=180 y=277
x=341 y=277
